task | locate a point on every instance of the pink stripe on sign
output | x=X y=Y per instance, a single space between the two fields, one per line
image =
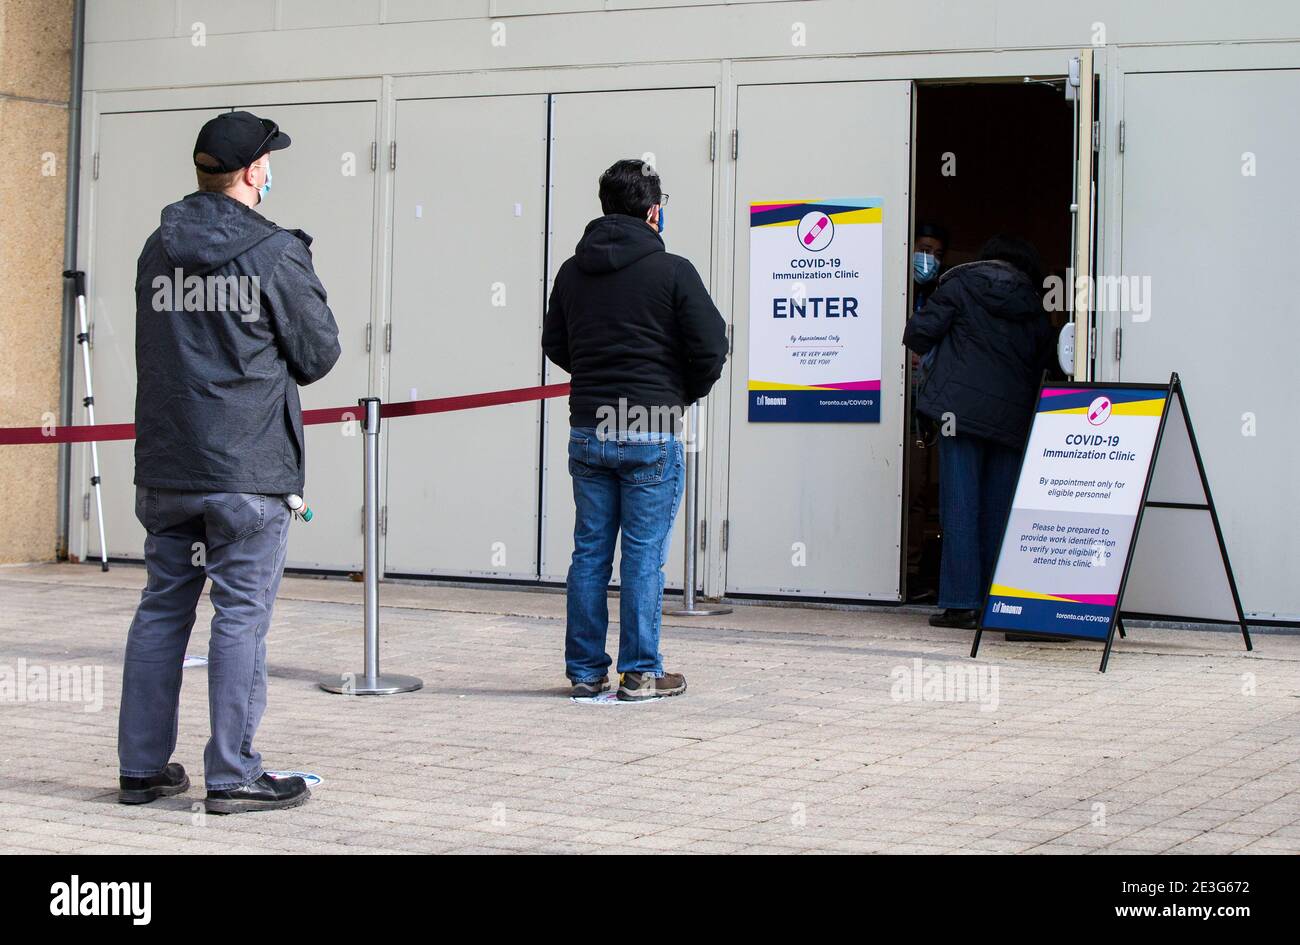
x=1059 y=391
x=817 y=228
x=853 y=385
x=1101 y=600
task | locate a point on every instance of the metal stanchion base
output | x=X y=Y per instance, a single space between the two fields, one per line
x=701 y=609
x=358 y=684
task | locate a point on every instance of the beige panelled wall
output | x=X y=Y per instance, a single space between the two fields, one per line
x=35 y=45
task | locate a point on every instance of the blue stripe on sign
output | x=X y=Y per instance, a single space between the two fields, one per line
x=814 y=406
x=1047 y=617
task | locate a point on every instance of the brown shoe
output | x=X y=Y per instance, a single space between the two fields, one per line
x=587 y=690
x=637 y=687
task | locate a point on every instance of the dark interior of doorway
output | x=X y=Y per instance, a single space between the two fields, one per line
x=991 y=157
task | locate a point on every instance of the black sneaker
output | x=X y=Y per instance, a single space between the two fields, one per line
x=167 y=782
x=266 y=793
x=585 y=690
x=955 y=619
x=637 y=687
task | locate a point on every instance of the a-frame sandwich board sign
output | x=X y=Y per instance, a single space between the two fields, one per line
x=1112 y=517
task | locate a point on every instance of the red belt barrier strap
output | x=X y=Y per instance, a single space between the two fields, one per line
x=126 y=431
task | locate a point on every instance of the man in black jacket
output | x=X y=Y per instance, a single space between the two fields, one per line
x=636 y=328
x=991 y=340
x=230 y=319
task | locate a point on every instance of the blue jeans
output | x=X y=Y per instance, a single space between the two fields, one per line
x=238 y=540
x=631 y=483
x=977 y=480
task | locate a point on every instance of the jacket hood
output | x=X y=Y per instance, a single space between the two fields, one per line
x=205 y=231
x=1004 y=290
x=614 y=241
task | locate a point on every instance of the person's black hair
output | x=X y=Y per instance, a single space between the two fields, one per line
x=1018 y=252
x=934 y=231
x=629 y=187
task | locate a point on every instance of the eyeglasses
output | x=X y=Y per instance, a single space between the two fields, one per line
x=273 y=130
x=663 y=200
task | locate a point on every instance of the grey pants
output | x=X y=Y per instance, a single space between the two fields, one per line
x=238 y=540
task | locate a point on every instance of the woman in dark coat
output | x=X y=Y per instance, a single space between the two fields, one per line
x=986 y=340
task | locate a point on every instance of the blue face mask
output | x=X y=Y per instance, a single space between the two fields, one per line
x=924 y=267
x=265 y=188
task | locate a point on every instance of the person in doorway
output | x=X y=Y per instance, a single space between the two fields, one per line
x=927 y=262
x=991 y=341
x=636 y=328
x=230 y=319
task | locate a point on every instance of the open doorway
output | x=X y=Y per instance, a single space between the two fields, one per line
x=991 y=157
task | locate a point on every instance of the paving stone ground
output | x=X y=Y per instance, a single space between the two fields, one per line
x=800 y=732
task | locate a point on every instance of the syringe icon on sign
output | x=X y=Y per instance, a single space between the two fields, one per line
x=816 y=229
x=1103 y=406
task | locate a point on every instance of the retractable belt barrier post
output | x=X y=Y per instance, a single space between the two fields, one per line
x=690 y=608
x=369 y=682
x=83 y=341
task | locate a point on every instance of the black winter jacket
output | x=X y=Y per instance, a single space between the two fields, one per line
x=216 y=406
x=629 y=320
x=992 y=339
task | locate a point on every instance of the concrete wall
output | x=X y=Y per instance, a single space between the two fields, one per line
x=35 y=45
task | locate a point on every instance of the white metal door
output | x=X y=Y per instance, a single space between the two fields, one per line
x=814 y=509
x=467 y=302
x=323 y=184
x=671 y=128
x=124 y=215
x=1209 y=226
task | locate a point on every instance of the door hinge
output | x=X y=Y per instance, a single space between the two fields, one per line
x=85 y=507
x=392 y=155
x=735 y=144
x=731 y=341
x=388 y=337
x=713 y=145
x=1119 y=342
x=704 y=532
x=374 y=155
x=726 y=527
x=1121 y=136
x=1096 y=136
x=383 y=520
x=94 y=167
x=370 y=330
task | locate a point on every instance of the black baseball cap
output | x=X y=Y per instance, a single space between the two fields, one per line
x=237 y=139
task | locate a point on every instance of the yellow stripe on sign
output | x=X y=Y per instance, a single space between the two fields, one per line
x=774 y=385
x=1139 y=408
x=1003 y=591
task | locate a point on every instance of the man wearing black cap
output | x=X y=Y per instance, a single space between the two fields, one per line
x=230 y=320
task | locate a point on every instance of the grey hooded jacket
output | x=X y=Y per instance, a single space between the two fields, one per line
x=230 y=319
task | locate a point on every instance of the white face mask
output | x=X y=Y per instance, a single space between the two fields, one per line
x=266 y=186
